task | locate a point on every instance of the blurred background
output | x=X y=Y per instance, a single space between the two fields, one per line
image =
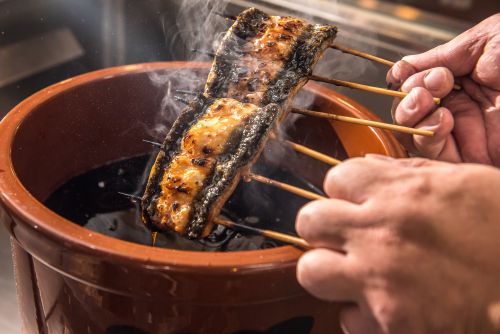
x=44 y=42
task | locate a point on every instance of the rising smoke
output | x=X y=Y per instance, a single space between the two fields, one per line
x=197 y=26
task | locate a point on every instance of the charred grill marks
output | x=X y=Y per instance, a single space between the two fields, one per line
x=241 y=149
x=249 y=24
x=181 y=197
x=169 y=149
x=275 y=58
x=263 y=60
x=199 y=161
x=300 y=62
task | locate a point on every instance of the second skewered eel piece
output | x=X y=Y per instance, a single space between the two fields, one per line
x=261 y=64
x=200 y=163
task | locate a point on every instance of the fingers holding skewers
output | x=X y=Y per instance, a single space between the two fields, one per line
x=418 y=110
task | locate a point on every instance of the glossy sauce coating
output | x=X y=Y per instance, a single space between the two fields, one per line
x=187 y=172
x=263 y=57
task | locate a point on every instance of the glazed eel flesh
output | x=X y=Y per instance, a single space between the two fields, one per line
x=267 y=59
x=260 y=65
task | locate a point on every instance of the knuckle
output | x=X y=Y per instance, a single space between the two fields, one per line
x=334 y=178
x=305 y=221
x=337 y=171
x=302 y=224
x=389 y=238
x=414 y=107
x=448 y=75
x=331 y=176
x=419 y=186
x=342 y=174
x=306 y=270
x=421 y=95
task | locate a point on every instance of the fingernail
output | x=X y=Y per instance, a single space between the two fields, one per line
x=434 y=80
x=344 y=328
x=409 y=103
x=434 y=121
x=396 y=73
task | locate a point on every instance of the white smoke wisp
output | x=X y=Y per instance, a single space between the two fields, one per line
x=196 y=27
x=198 y=24
x=333 y=64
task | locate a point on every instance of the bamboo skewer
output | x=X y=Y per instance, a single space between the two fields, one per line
x=181 y=99
x=226 y=16
x=285 y=186
x=346 y=49
x=290 y=239
x=132 y=197
x=354 y=85
x=371 y=57
x=312 y=153
x=155 y=144
x=367 y=88
x=296 y=147
x=262 y=179
x=353 y=120
x=361 y=54
x=359 y=121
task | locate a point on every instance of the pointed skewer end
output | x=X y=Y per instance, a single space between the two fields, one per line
x=132 y=197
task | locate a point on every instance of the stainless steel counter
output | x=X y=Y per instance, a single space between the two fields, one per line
x=387 y=30
x=9 y=314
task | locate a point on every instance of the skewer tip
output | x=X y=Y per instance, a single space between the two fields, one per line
x=187 y=92
x=132 y=197
x=353 y=120
x=226 y=16
x=181 y=99
x=152 y=142
x=289 y=239
x=203 y=52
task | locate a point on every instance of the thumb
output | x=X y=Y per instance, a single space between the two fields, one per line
x=460 y=55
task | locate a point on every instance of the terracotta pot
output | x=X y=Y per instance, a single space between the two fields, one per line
x=70 y=280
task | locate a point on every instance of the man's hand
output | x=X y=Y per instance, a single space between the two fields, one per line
x=467 y=125
x=413 y=243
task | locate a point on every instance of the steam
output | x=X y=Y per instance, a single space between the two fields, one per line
x=198 y=24
x=196 y=27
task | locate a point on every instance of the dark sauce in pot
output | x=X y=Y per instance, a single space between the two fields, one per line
x=92 y=200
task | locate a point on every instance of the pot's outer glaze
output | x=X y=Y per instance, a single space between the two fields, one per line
x=72 y=280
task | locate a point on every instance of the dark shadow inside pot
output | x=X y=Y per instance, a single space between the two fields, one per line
x=70 y=279
x=78 y=150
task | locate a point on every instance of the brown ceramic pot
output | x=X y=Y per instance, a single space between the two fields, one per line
x=70 y=280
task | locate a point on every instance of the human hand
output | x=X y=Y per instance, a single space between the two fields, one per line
x=414 y=243
x=467 y=125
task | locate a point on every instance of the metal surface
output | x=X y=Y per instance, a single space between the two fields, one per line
x=114 y=32
x=386 y=30
x=18 y=61
x=9 y=314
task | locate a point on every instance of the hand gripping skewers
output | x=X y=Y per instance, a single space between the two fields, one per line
x=262 y=62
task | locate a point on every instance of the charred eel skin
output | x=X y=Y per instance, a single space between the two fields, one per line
x=266 y=59
x=260 y=65
x=200 y=163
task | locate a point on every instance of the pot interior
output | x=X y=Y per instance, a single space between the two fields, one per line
x=104 y=118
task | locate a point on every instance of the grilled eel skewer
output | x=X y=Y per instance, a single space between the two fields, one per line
x=260 y=65
x=267 y=59
x=200 y=162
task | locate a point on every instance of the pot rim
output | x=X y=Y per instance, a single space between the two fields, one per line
x=14 y=196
